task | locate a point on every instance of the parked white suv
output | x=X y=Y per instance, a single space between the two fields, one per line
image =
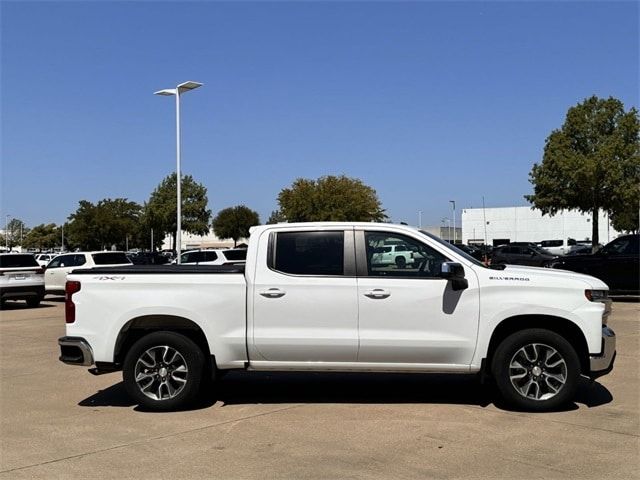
x=43 y=259
x=21 y=278
x=559 y=247
x=398 y=254
x=213 y=257
x=57 y=269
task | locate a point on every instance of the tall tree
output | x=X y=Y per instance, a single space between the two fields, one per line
x=43 y=237
x=276 y=217
x=234 y=222
x=15 y=232
x=99 y=226
x=591 y=162
x=161 y=207
x=330 y=198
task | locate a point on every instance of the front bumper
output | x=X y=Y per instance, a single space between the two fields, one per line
x=603 y=363
x=75 y=351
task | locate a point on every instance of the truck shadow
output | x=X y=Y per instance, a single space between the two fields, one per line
x=365 y=388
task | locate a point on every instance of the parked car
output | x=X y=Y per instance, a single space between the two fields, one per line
x=398 y=254
x=57 y=269
x=475 y=252
x=521 y=255
x=310 y=299
x=559 y=247
x=21 y=278
x=43 y=259
x=617 y=264
x=213 y=257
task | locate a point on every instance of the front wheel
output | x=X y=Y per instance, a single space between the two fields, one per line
x=163 y=370
x=536 y=369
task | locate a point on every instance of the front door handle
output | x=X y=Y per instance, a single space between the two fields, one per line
x=272 y=293
x=377 y=293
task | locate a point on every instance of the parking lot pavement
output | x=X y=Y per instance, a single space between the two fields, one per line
x=59 y=421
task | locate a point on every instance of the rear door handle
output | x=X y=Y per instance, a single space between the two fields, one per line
x=377 y=293
x=272 y=293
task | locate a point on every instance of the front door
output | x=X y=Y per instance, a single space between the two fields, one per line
x=305 y=306
x=408 y=314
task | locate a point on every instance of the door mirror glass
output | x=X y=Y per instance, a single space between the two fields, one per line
x=454 y=272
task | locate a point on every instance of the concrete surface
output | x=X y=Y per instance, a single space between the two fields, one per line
x=59 y=421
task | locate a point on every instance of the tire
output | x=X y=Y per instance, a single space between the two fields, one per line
x=33 y=301
x=401 y=262
x=536 y=370
x=169 y=368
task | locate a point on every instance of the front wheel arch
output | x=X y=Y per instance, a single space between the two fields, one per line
x=563 y=327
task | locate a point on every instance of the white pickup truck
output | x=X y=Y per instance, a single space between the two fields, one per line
x=310 y=299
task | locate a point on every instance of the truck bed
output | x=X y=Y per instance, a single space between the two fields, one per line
x=164 y=269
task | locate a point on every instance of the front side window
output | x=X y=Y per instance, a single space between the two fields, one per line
x=309 y=253
x=412 y=259
x=61 y=261
x=623 y=246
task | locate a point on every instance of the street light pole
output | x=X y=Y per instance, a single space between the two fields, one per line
x=419 y=218
x=453 y=203
x=6 y=232
x=179 y=90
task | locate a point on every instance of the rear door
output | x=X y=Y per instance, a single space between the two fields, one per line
x=305 y=306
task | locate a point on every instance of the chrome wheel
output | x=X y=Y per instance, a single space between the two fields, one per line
x=538 y=371
x=161 y=373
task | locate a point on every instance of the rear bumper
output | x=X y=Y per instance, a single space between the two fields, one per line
x=603 y=363
x=75 y=351
x=22 y=292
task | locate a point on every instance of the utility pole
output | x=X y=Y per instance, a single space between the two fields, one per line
x=453 y=202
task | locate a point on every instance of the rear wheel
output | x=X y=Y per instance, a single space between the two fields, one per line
x=536 y=369
x=163 y=370
x=33 y=301
x=401 y=262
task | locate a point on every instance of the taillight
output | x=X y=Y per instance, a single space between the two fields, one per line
x=70 y=288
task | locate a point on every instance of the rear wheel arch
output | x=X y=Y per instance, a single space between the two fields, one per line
x=563 y=327
x=137 y=328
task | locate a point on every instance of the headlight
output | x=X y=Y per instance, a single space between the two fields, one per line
x=596 y=295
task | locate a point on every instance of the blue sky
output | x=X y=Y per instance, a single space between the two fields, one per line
x=424 y=101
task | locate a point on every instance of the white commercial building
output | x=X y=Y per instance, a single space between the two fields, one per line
x=190 y=242
x=524 y=224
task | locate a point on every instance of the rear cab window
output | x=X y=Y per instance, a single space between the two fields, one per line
x=17 y=260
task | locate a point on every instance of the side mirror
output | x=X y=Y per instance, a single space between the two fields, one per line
x=455 y=272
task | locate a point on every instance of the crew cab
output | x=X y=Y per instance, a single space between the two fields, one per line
x=310 y=298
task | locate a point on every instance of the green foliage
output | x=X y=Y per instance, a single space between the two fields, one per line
x=276 y=217
x=592 y=162
x=96 y=227
x=43 y=237
x=160 y=211
x=330 y=198
x=234 y=222
x=15 y=229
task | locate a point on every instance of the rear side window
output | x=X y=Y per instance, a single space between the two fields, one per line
x=309 y=253
x=16 y=260
x=110 y=258
x=209 y=257
x=240 y=254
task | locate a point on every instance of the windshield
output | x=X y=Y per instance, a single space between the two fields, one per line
x=454 y=248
